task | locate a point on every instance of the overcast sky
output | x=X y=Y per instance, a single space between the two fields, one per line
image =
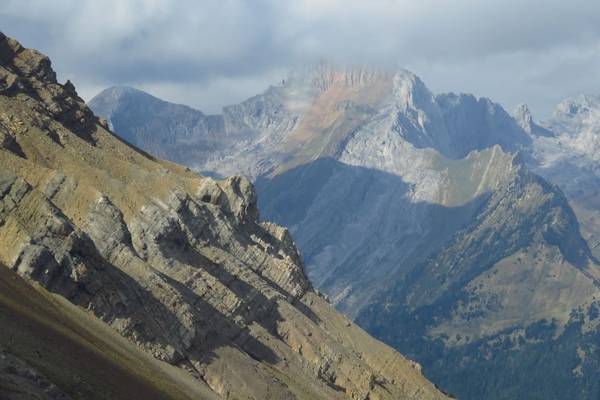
x=209 y=53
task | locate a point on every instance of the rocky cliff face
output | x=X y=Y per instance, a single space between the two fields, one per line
x=140 y=115
x=176 y=263
x=418 y=218
x=311 y=115
x=569 y=157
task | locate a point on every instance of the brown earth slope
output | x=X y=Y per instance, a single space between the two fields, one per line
x=51 y=349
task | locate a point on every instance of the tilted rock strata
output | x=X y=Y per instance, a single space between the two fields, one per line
x=416 y=215
x=175 y=262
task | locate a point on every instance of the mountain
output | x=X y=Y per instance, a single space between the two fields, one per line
x=48 y=346
x=473 y=266
x=437 y=222
x=570 y=158
x=145 y=114
x=524 y=118
x=140 y=276
x=311 y=115
x=509 y=300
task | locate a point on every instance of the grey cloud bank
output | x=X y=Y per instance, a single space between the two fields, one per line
x=211 y=53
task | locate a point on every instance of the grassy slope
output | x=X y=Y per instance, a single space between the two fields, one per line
x=61 y=341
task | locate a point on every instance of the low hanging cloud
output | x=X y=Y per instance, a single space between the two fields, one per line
x=214 y=52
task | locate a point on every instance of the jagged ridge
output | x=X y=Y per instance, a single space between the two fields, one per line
x=412 y=213
x=177 y=263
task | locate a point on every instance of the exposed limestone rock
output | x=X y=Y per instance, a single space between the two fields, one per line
x=176 y=263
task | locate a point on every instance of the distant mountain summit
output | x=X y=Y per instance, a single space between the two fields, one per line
x=577 y=106
x=570 y=158
x=123 y=276
x=311 y=114
x=324 y=75
x=156 y=125
x=437 y=222
x=578 y=121
x=525 y=120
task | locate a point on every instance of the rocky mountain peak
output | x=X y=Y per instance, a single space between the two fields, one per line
x=577 y=106
x=112 y=98
x=174 y=265
x=524 y=118
x=411 y=89
x=523 y=115
x=27 y=71
x=118 y=92
x=578 y=119
x=324 y=75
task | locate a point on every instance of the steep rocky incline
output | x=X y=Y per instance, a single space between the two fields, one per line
x=514 y=290
x=358 y=224
x=310 y=115
x=416 y=215
x=186 y=133
x=48 y=347
x=176 y=263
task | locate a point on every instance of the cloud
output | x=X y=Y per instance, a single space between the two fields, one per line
x=213 y=52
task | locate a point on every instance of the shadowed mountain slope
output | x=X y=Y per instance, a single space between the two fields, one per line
x=50 y=349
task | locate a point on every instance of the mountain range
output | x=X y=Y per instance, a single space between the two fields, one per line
x=461 y=235
x=124 y=276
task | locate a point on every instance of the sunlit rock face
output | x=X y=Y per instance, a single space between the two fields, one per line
x=176 y=263
x=461 y=235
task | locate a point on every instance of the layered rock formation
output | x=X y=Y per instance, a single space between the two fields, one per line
x=416 y=216
x=311 y=115
x=176 y=263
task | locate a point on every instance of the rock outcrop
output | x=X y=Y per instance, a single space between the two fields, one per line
x=570 y=158
x=419 y=216
x=311 y=115
x=176 y=263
